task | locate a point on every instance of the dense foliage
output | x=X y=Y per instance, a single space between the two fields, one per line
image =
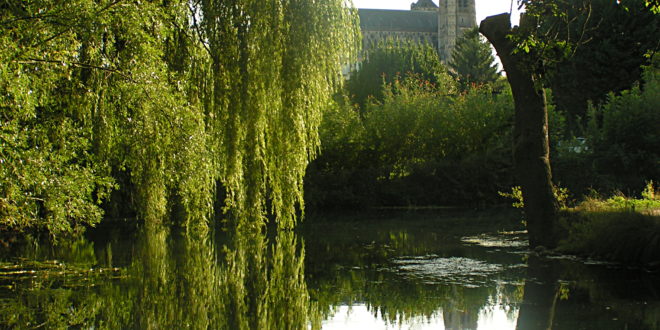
x=620 y=150
x=616 y=38
x=162 y=100
x=275 y=66
x=419 y=147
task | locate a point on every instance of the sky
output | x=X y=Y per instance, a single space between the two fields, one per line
x=484 y=7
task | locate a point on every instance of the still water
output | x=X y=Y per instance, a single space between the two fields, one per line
x=393 y=270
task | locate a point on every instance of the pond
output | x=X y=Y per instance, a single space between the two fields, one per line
x=387 y=270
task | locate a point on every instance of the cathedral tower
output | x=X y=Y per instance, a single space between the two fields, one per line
x=454 y=18
x=425 y=22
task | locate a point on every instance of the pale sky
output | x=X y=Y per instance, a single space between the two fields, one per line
x=484 y=7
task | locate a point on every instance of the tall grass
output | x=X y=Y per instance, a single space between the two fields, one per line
x=618 y=228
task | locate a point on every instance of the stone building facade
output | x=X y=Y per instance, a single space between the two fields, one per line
x=425 y=22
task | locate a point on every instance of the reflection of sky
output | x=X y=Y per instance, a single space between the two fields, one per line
x=359 y=317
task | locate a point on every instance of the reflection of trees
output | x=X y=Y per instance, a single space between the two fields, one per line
x=172 y=280
x=53 y=288
x=347 y=265
x=251 y=284
x=262 y=286
x=541 y=294
x=633 y=305
x=176 y=281
x=570 y=295
x=398 y=300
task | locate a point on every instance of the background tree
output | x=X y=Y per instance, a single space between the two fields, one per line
x=473 y=61
x=391 y=60
x=618 y=38
x=528 y=53
x=418 y=146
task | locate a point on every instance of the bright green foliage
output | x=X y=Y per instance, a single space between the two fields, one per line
x=392 y=60
x=649 y=192
x=93 y=89
x=473 y=61
x=561 y=194
x=98 y=92
x=48 y=178
x=516 y=196
x=275 y=66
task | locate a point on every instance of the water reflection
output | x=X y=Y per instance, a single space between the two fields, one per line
x=387 y=274
x=405 y=274
x=172 y=281
x=541 y=293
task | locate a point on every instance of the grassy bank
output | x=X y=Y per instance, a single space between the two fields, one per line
x=620 y=229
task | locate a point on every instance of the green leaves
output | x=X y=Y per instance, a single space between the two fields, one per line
x=279 y=63
x=419 y=146
x=168 y=100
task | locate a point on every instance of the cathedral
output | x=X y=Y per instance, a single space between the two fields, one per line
x=425 y=22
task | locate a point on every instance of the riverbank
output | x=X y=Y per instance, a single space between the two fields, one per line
x=618 y=229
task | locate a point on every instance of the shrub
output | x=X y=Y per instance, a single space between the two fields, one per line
x=419 y=146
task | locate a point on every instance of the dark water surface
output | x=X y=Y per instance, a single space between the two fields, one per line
x=394 y=270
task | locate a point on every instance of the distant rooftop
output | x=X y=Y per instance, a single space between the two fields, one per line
x=398 y=20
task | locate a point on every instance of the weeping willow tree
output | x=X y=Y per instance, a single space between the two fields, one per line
x=159 y=101
x=275 y=65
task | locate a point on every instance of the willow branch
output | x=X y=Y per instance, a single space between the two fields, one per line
x=75 y=64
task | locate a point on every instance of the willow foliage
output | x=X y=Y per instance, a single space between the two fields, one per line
x=275 y=66
x=161 y=99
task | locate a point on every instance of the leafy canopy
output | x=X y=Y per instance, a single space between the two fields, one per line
x=162 y=100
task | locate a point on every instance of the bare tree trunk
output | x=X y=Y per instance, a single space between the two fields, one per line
x=531 y=146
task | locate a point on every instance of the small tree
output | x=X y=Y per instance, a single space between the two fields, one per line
x=473 y=61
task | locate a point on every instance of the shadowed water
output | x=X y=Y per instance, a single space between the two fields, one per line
x=383 y=271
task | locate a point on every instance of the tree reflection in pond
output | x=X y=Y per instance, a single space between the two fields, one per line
x=430 y=273
x=173 y=281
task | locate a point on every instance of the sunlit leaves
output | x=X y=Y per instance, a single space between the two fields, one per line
x=167 y=98
x=276 y=64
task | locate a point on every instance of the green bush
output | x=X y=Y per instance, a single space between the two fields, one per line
x=620 y=148
x=418 y=147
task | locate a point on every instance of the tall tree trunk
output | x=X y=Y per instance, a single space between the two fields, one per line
x=531 y=146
